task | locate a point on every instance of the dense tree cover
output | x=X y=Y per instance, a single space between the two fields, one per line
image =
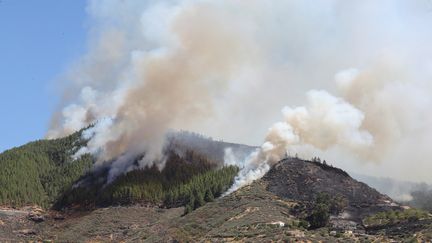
x=319 y=216
x=45 y=173
x=201 y=188
x=187 y=181
x=37 y=173
x=325 y=205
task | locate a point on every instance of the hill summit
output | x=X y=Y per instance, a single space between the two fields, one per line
x=305 y=181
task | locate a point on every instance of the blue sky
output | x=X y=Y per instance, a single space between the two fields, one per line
x=38 y=41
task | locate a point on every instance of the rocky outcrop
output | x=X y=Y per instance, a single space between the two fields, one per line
x=36 y=214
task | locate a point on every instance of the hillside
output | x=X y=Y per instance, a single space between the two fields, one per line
x=285 y=205
x=38 y=172
x=44 y=173
x=190 y=181
x=296 y=200
x=303 y=180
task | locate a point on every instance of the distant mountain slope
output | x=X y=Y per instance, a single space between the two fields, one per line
x=397 y=189
x=418 y=195
x=214 y=150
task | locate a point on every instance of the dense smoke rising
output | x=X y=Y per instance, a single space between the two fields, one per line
x=168 y=80
x=224 y=68
x=325 y=122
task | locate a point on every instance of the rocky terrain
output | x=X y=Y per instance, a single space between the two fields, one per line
x=274 y=208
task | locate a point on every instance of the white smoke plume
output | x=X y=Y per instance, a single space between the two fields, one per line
x=166 y=76
x=325 y=122
x=224 y=68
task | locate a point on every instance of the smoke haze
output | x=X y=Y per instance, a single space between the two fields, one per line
x=354 y=78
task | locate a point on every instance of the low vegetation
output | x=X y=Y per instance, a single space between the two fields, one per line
x=394 y=217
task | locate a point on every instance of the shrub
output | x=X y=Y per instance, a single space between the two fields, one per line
x=303 y=224
x=319 y=217
x=324 y=205
x=392 y=217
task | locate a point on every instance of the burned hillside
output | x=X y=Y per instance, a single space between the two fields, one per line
x=301 y=180
x=304 y=181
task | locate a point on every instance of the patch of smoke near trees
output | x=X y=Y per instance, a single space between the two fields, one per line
x=225 y=68
x=422 y=198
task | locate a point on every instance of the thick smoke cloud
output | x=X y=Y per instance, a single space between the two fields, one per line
x=325 y=122
x=225 y=68
x=169 y=81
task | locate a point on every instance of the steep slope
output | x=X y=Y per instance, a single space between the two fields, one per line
x=190 y=182
x=44 y=173
x=38 y=172
x=281 y=206
x=301 y=180
x=193 y=174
